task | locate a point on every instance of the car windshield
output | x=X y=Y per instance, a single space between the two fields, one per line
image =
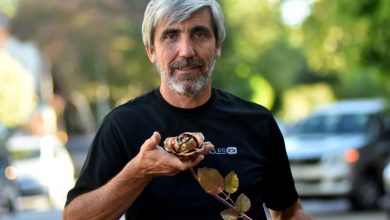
x=347 y=123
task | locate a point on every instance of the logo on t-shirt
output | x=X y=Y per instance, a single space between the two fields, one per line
x=230 y=150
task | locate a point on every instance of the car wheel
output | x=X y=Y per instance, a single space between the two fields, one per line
x=8 y=206
x=366 y=194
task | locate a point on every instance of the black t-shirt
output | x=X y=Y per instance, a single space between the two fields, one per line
x=246 y=139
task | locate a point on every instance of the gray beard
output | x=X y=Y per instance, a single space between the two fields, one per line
x=190 y=87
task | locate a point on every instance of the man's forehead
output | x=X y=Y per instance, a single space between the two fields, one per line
x=200 y=17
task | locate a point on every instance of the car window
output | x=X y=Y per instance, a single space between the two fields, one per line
x=3 y=153
x=312 y=125
x=351 y=123
x=386 y=124
x=347 y=123
x=3 y=136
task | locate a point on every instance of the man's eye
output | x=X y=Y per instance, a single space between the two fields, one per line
x=170 y=37
x=200 y=34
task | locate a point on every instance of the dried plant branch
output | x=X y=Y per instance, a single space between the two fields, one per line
x=227 y=197
x=242 y=215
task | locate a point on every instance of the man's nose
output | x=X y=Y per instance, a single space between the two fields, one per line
x=186 y=47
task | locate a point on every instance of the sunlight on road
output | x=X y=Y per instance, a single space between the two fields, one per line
x=34 y=208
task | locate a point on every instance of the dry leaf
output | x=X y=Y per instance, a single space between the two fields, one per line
x=211 y=180
x=243 y=204
x=231 y=182
x=230 y=214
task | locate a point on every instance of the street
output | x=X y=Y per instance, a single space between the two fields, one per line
x=38 y=209
x=339 y=210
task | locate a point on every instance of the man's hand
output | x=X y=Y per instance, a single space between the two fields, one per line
x=153 y=160
x=294 y=212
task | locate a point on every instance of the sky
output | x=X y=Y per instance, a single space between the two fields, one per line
x=295 y=11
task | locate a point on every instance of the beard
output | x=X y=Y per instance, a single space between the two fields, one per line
x=189 y=84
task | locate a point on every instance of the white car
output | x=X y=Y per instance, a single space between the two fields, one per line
x=43 y=167
x=341 y=150
x=9 y=201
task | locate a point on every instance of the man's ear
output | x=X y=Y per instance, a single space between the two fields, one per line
x=219 y=50
x=151 y=53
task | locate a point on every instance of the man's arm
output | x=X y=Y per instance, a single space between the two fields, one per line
x=111 y=200
x=294 y=212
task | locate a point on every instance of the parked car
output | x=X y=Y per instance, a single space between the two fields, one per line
x=43 y=167
x=341 y=150
x=385 y=202
x=8 y=190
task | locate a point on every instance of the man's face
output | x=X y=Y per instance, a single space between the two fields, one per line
x=185 y=53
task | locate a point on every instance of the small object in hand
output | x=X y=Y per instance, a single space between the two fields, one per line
x=187 y=146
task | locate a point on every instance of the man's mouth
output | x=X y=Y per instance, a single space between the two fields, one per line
x=188 y=68
x=186 y=73
x=187 y=64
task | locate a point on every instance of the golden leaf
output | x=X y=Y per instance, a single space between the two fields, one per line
x=231 y=182
x=243 y=204
x=230 y=214
x=211 y=180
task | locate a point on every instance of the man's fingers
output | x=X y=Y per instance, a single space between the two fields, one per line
x=166 y=164
x=152 y=142
x=197 y=160
x=208 y=146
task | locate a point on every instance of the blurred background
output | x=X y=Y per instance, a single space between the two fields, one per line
x=65 y=64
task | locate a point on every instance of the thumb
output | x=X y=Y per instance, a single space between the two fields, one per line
x=152 y=142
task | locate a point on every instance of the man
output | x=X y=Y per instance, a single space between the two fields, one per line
x=124 y=173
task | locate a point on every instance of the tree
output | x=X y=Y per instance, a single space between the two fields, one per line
x=94 y=47
x=257 y=47
x=350 y=39
x=17 y=96
x=92 y=44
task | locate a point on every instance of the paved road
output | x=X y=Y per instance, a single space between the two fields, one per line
x=34 y=215
x=56 y=214
x=38 y=209
x=339 y=210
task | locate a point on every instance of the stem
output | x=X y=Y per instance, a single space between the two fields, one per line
x=227 y=197
x=194 y=174
x=221 y=199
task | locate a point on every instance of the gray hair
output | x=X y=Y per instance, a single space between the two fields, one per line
x=178 y=11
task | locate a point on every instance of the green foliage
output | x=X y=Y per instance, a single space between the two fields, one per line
x=350 y=38
x=94 y=43
x=17 y=99
x=257 y=48
x=99 y=42
x=8 y=7
x=90 y=43
x=301 y=100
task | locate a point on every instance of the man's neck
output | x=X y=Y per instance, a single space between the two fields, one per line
x=185 y=101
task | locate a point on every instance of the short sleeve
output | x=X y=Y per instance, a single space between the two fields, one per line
x=280 y=192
